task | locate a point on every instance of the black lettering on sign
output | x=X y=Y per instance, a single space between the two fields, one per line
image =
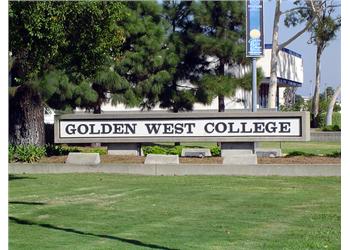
x=206 y=127
x=179 y=128
x=106 y=128
x=284 y=127
x=70 y=129
x=83 y=129
x=92 y=130
x=118 y=128
x=130 y=128
x=189 y=126
x=231 y=128
x=220 y=127
x=271 y=127
x=259 y=127
x=168 y=128
x=244 y=128
x=153 y=128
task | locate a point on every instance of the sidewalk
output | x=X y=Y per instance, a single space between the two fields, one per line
x=182 y=169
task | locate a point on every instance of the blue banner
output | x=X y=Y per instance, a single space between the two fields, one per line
x=254 y=28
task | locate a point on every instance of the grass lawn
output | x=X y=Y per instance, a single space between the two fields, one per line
x=314 y=147
x=107 y=211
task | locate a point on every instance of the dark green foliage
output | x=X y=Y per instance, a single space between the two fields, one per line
x=188 y=61
x=57 y=150
x=162 y=150
x=335 y=154
x=215 y=151
x=144 y=62
x=11 y=153
x=175 y=150
x=27 y=153
x=226 y=85
x=300 y=153
x=219 y=31
x=56 y=50
x=331 y=128
x=336 y=119
x=298 y=105
x=206 y=37
x=32 y=153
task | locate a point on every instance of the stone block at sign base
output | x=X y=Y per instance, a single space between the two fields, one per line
x=161 y=159
x=238 y=153
x=268 y=152
x=248 y=159
x=124 y=149
x=195 y=152
x=83 y=159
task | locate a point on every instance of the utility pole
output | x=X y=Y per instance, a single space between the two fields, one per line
x=254 y=40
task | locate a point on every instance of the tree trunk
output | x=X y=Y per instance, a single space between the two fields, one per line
x=221 y=98
x=274 y=58
x=316 y=97
x=26 y=118
x=331 y=106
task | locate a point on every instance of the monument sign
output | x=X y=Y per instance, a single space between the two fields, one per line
x=126 y=127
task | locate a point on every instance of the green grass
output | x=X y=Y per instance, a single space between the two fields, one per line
x=311 y=147
x=107 y=211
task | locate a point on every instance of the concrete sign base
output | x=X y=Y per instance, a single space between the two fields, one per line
x=195 y=152
x=124 y=149
x=162 y=159
x=268 y=152
x=238 y=153
x=83 y=158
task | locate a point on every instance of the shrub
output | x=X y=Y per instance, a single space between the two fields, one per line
x=331 y=128
x=334 y=154
x=29 y=153
x=12 y=151
x=215 y=151
x=153 y=150
x=336 y=119
x=52 y=149
x=300 y=153
x=162 y=150
x=177 y=150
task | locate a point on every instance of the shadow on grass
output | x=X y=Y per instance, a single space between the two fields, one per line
x=27 y=202
x=15 y=177
x=71 y=230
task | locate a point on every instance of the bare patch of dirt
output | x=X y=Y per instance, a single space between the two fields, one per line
x=206 y=160
x=122 y=159
x=53 y=159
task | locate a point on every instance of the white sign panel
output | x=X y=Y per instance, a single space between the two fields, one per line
x=237 y=127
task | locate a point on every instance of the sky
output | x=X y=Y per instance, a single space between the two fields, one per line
x=330 y=60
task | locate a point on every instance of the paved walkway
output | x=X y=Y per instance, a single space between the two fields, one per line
x=183 y=169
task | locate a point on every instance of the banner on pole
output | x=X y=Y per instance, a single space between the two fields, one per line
x=254 y=28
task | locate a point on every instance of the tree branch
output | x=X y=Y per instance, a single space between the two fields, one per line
x=290 y=40
x=293 y=9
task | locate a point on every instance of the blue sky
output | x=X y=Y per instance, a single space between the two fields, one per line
x=330 y=60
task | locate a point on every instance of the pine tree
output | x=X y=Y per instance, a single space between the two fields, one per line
x=145 y=62
x=190 y=64
x=219 y=32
